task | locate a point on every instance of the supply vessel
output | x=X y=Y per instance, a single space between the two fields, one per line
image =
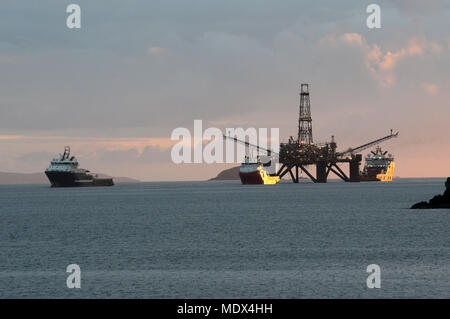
x=64 y=172
x=379 y=166
x=252 y=172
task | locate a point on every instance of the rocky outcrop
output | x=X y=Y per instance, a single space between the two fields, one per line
x=230 y=174
x=438 y=201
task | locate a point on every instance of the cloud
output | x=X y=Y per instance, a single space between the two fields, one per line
x=117 y=156
x=435 y=47
x=353 y=38
x=391 y=59
x=132 y=156
x=420 y=7
x=387 y=80
x=10 y=137
x=430 y=88
x=34 y=157
x=374 y=53
x=152 y=154
x=233 y=59
x=156 y=51
x=382 y=64
x=7 y=59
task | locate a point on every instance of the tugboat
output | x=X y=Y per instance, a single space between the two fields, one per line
x=253 y=172
x=64 y=172
x=379 y=166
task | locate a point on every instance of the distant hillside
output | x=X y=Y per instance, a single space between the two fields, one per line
x=230 y=174
x=40 y=178
x=120 y=179
x=20 y=178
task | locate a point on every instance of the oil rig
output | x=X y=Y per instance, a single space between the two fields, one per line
x=298 y=153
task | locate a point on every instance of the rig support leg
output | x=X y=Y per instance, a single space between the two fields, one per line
x=354 y=172
x=292 y=175
x=321 y=172
x=281 y=169
x=308 y=173
x=337 y=170
x=354 y=169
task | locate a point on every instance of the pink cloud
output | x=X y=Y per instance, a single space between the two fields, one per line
x=353 y=38
x=435 y=47
x=374 y=53
x=387 y=80
x=381 y=64
x=415 y=49
x=391 y=59
x=430 y=88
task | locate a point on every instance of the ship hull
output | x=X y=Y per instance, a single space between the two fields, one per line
x=71 y=179
x=376 y=178
x=251 y=178
x=256 y=178
x=378 y=174
x=368 y=178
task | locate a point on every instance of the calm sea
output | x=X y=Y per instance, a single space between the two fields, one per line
x=224 y=240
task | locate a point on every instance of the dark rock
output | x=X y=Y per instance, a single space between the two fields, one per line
x=421 y=205
x=438 y=201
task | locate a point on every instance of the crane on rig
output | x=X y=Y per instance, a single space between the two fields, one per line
x=367 y=145
x=257 y=147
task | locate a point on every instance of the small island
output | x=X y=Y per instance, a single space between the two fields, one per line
x=438 y=201
x=230 y=174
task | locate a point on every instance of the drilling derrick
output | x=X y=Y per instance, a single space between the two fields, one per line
x=305 y=120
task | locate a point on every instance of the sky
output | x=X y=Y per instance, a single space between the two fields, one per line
x=116 y=88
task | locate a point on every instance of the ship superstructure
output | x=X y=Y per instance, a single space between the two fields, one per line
x=64 y=172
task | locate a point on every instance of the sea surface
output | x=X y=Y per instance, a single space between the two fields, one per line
x=224 y=240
